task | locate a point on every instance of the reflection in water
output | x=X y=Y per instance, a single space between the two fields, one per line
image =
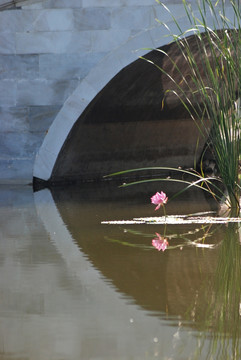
x=215 y=310
x=186 y=283
x=173 y=285
x=222 y=316
x=72 y=288
x=160 y=243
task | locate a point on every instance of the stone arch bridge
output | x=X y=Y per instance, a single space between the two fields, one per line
x=76 y=102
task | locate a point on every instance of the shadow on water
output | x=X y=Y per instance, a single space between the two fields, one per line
x=197 y=288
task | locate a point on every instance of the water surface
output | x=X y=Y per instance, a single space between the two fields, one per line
x=73 y=288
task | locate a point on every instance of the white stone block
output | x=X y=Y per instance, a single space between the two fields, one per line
x=40 y=118
x=14 y=119
x=137 y=46
x=163 y=35
x=19 y=66
x=16 y=171
x=92 y=19
x=15 y=20
x=67 y=66
x=166 y=15
x=73 y=4
x=19 y=145
x=30 y=4
x=8 y=20
x=44 y=163
x=8 y=90
x=53 y=42
x=79 y=99
x=139 y=17
x=104 y=40
x=229 y=13
x=160 y=36
x=104 y=72
x=52 y=20
x=44 y=92
x=7 y=43
x=35 y=6
x=118 y=3
x=36 y=20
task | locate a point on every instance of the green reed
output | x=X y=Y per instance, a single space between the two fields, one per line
x=206 y=78
x=210 y=87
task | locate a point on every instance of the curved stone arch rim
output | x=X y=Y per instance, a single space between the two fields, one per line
x=77 y=102
x=89 y=87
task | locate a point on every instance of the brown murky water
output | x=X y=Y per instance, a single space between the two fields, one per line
x=73 y=288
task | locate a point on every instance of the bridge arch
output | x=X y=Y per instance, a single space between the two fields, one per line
x=85 y=93
x=91 y=86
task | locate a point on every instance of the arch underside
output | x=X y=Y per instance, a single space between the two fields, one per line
x=123 y=125
x=126 y=125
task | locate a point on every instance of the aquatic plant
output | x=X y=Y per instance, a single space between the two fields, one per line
x=206 y=78
x=160 y=243
x=159 y=199
x=209 y=87
x=188 y=178
x=222 y=315
x=198 y=237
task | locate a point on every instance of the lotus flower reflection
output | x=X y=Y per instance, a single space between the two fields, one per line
x=160 y=243
x=159 y=199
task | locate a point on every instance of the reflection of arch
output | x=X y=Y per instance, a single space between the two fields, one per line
x=131 y=269
x=94 y=82
x=111 y=312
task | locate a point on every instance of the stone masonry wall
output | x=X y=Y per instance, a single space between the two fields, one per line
x=46 y=49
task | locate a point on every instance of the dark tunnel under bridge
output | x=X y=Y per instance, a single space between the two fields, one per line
x=126 y=125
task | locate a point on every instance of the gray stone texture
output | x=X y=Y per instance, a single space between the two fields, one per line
x=46 y=49
x=22 y=132
x=133 y=17
x=8 y=91
x=67 y=66
x=52 y=42
x=92 y=19
x=19 y=66
x=7 y=43
x=53 y=4
x=44 y=92
x=23 y=145
x=16 y=170
x=36 y=119
x=14 y=119
x=41 y=117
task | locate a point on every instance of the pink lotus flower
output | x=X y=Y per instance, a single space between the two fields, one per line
x=159 y=199
x=160 y=243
